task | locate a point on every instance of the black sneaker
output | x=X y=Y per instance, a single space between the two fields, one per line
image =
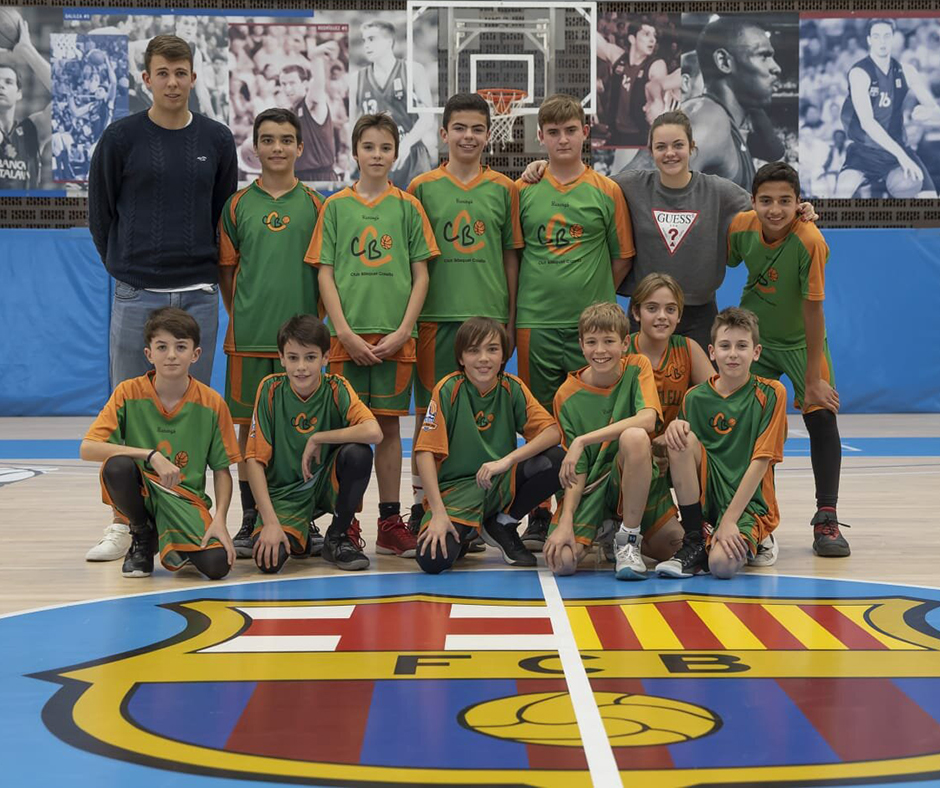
x=314 y=540
x=139 y=559
x=242 y=540
x=414 y=519
x=505 y=538
x=536 y=531
x=828 y=542
x=340 y=550
x=690 y=559
x=476 y=544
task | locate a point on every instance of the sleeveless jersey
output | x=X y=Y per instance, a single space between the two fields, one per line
x=886 y=93
x=673 y=374
x=19 y=157
x=626 y=91
x=319 y=140
x=390 y=97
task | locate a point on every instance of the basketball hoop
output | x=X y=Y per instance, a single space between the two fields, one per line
x=505 y=105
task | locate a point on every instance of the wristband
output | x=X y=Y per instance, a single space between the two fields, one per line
x=150 y=457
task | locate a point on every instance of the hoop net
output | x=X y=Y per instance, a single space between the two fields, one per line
x=505 y=104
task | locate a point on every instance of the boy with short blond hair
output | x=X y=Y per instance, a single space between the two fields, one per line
x=474 y=211
x=607 y=412
x=155 y=438
x=371 y=247
x=722 y=448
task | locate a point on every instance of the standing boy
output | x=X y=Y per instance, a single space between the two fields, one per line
x=475 y=215
x=155 y=437
x=308 y=453
x=607 y=412
x=263 y=234
x=722 y=448
x=371 y=246
x=786 y=261
x=578 y=241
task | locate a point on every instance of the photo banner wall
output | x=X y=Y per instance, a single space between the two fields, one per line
x=850 y=100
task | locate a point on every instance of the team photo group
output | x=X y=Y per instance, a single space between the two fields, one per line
x=648 y=434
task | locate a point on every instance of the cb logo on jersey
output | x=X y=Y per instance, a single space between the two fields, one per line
x=370 y=249
x=557 y=237
x=275 y=223
x=302 y=424
x=460 y=232
x=721 y=424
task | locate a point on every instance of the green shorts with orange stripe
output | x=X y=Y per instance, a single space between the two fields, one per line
x=755 y=522
x=384 y=388
x=435 y=358
x=546 y=356
x=299 y=503
x=469 y=504
x=180 y=516
x=774 y=362
x=243 y=375
x=660 y=508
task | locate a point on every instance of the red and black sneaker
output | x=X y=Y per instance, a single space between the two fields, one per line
x=828 y=541
x=395 y=538
x=345 y=550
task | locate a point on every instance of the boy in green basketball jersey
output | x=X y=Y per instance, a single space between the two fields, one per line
x=263 y=234
x=475 y=215
x=308 y=453
x=607 y=412
x=154 y=439
x=722 y=448
x=786 y=261
x=578 y=243
x=476 y=476
x=371 y=246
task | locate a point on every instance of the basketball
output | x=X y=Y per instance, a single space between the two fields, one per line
x=386 y=242
x=96 y=57
x=9 y=28
x=900 y=185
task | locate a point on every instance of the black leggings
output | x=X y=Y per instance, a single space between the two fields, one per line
x=536 y=480
x=353 y=470
x=825 y=450
x=123 y=480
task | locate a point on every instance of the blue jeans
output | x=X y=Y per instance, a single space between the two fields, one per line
x=129 y=312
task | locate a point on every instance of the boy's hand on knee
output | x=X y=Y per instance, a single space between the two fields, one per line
x=821 y=394
x=265 y=550
x=677 y=435
x=490 y=469
x=217 y=530
x=168 y=472
x=560 y=540
x=310 y=457
x=732 y=542
x=568 y=474
x=434 y=537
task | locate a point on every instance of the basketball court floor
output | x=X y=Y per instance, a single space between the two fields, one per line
x=815 y=671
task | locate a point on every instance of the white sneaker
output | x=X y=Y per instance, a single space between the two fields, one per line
x=627 y=556
x=113 y=545
x=767 y=552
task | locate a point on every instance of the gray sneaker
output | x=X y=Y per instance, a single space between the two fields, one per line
x=767 y=552
x=627 y=556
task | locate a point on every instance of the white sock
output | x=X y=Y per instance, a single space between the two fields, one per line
x=418 y=488
x=625 y=530
x=504 y=519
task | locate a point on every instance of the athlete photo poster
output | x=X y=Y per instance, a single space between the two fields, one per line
x=26 y=93
x=298 y=65
x=890 y=69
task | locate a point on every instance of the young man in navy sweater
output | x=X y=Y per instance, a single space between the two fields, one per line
x=156 y=188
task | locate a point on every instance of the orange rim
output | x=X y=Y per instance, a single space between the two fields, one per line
x=502 y=99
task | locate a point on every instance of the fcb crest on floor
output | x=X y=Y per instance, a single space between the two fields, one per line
x=418 y=680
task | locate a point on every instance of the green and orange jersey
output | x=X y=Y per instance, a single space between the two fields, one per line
x=673 y=374
x=746 y=425
x=371 y=244
x=480 y=428
x=265 y=239
x=572 y=232
x=198 y=433
x=283 y=422
x=473 y=223
x=780 y=276
x=581 y=408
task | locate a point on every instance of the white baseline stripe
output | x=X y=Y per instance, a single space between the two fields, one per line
x=273 y=644
x=597 y=750
x=297 y=613
x=500 y=642
x=497 y=611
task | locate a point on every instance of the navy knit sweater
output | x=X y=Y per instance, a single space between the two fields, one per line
x=154 y=199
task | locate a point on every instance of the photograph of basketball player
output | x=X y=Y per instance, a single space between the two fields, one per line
x=90 y=86
x=748 y=104
x=207 y=37
x=638 y=76
x=875 y=132
x=380 y=84
x=300 y=67
x=25 y=103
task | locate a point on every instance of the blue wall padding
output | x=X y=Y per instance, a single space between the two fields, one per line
x=882 y=303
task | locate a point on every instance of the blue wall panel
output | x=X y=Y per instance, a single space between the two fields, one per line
x=882 y=296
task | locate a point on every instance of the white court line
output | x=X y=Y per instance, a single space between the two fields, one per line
x=497 y=611
x=597 y=749
x=297 y=613
x=848 y=473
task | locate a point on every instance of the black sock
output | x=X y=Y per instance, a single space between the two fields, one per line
x=691 y=517
x=248 y=500
x=387 y=510
x=825 y=450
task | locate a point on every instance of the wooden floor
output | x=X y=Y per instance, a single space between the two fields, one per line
x=50 y=520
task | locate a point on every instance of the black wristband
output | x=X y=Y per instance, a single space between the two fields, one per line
x=150 y=457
